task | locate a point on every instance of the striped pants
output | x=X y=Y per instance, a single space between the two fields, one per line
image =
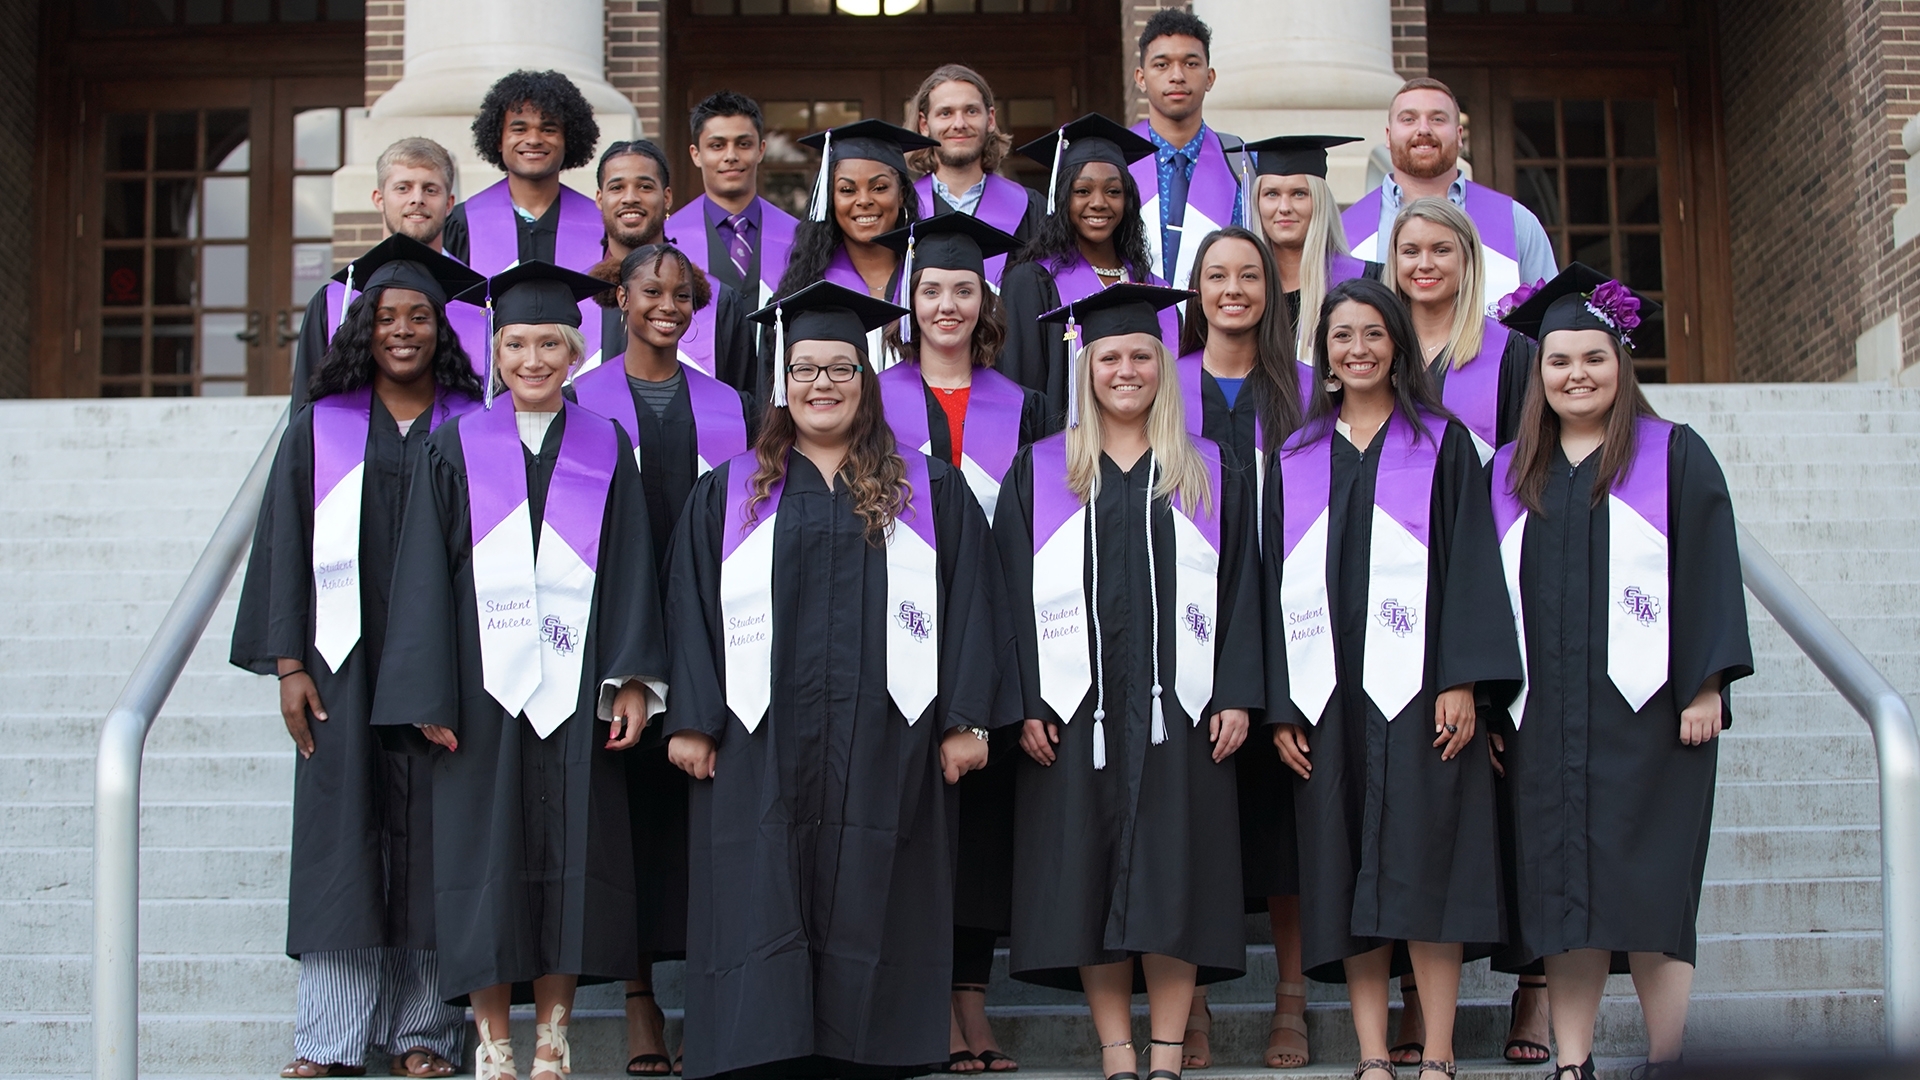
x=384 y=998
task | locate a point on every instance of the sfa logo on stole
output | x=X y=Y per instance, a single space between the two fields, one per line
x=562 y=637
x=914 y=621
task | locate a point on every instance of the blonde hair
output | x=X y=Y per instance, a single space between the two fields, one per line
x=1182 y=470
x=1326 y=239
x=1469 y=322
x=414 y=152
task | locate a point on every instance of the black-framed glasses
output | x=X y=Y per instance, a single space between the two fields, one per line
x=806 y=373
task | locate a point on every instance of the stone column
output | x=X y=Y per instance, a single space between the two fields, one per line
x=454 y=50
x=1291 y=67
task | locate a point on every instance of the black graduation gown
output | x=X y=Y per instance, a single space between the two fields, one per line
x=1023 y=232
x=819 y=927
x=1034 y=355
x=1612 y=811
x=656 y=789
x=1144 y=855
x=983 y=857
x=1371 y=271
x=1269 y=852
x=533 y=854
x=362 y=859
x=1516 y=367
x=538 y=239
x=1395 y=844
x=315 y=335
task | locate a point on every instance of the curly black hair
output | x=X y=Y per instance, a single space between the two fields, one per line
x=815 y=242
x=555 y=97
x=1173 y=22
x=349 y=363
x=638 y=148
x=1055 y=242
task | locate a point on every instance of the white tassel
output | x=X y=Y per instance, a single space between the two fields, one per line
x=1153 y=590
x=1053 y=178
x=1099 y=645
x=493 y=361
x=1159 y=718
x=1099 y=739
x=346 y=298
x=906 y=287
x=779 y=357
x=1249 y=180
x=820 y=183
x=1072 y=339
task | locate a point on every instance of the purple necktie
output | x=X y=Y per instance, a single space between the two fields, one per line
x=739 y=248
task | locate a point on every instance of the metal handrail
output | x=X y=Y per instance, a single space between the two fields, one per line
x=116 y=778
x=1897 y=747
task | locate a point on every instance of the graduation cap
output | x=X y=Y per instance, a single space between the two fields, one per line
x=1579 y=298
x=823 y=311
x=869 y=140
x=531 y=293
x=1292 y=155
x=1093 y=137
x=945 y=242
x=1125 y=308
x=401 y=262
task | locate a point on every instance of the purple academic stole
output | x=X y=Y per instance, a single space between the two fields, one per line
x=698 y=345
x=1472 y=392
x=719 y=428
x=1492 y=215
x=1192 y=371
x=772 y=246
x=1213 y=193
x=1344 y=268
x=534 y=612
x=493 y=236
x=992 y=434
x=1003 y=205
x=1397 y=566
x=1074 y=280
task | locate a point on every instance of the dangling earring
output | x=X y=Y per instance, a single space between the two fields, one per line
x=1332 y=385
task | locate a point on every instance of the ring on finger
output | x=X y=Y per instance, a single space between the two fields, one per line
x=1453 y=729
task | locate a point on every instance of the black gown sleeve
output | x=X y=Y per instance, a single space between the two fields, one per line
x=311 y=347
x=693 y=610
x=733 y=343
x=1239 y=654
x=1032 y=349
x=453 y=235
x=1036 y=420
x=275 y=596
x=1013 y=536
x=1709 y=626
x=1476 y=642
x=976 y=634
x=420 y=667
x=629 y=634
x=1516 y=369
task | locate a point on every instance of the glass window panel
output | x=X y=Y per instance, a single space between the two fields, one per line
x=227 y=143
x=999 y=7
x=943 y=7
x=1029 y=112
x=1642 y=254
x=299 y=10
x=252 y=11
x=1507 y=7
x=1538 y=189
x=312 y=264
x=809 y=7
x=759 y=7
x=316 y=139
x=122 y=272
x=223 y=388
x=226 y=216
x=125 y=389
x=1586 y=128
x=1639 y=195
x=828 y=114
x=794 y=116
x=1650 y=339
x=713 y=7
x=1533 y=130
x=224 y=269
x=203 y=12
x=172 y=345
x=120 y=341
x=1460 y=7
x=1049 y=5
x=1595 y=250
x=172 y=389
x=1633 y=129
x=313 y=206
x=175 y=202
x=346 y=10
x=1587 y=195
x=124 y=215
x=175 y=139
x=221 y=351
x=126 y=142
x=1554 y=7
x=174 y=277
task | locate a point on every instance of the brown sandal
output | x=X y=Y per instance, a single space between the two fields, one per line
x=303 y=1069
x=1200 y=1024
x=422 y=1062
x=1287 y=1046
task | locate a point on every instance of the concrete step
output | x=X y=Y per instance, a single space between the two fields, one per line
x=193 y=777
x=209 y=684
x=257 y=731
x=176 y=825
x=172 y=521
x=1896 y=633
x=1776 y=906
x=1749 y=756
x=1685 y=402
x=166 y=926
x=1774 y=804
x=1806 y=851
x=55 y=656
x=166 y=873
x=114 y=583
x=1805 y=712
x=1784 y=671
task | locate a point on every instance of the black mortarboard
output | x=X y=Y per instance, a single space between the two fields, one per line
x=870 y=140
x=823 y=311
x=1093 y=137
x=533 y=293
x=1579 y=298
x=1125 y=308
x=953 y=241
x=402 y=262
x=1292 y=155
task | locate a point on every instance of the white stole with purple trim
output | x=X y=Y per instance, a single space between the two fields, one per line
x=1396 y=635
x=534 y=612
x=1639 y=582
x=746 y=595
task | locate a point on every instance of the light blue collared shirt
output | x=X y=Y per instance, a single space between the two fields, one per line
x=968 y=201
x=1534 y=251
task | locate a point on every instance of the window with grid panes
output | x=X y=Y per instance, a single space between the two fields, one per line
x=138 y=14
x=871 y=8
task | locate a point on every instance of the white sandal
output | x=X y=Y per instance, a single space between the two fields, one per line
x=553 y=1035
x=494 y=1059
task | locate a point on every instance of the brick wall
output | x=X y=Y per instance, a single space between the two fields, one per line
x=636 y=58
x=1892 y=98
x=386 y=42
x=1409 y=38
x=19 y=52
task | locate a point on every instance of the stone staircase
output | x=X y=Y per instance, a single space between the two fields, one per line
x=109 y=503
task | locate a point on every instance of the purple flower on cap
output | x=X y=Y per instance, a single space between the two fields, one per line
x=1504 y=306
x=1615 y=305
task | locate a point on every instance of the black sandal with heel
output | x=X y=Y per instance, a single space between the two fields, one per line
x=1167 y=1074
x=1129 y=1074
x=1408 y=1053
x=1532 y=1053
x=644 y=1064
x=1582 y=1071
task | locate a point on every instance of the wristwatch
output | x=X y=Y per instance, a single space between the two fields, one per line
x=978 y=732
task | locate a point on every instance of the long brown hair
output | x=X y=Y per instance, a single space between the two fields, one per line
x=998 y=142
x=874 y=470
x=1413 y=391
x=989 y=331
x=1274 y=382
x=1540 y=432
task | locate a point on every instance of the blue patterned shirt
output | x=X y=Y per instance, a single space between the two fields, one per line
x=1168 y=157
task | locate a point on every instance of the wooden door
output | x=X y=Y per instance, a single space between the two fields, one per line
x=203 y=202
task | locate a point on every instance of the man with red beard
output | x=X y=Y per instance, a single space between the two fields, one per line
x=955 y=106
x=1423 y=134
